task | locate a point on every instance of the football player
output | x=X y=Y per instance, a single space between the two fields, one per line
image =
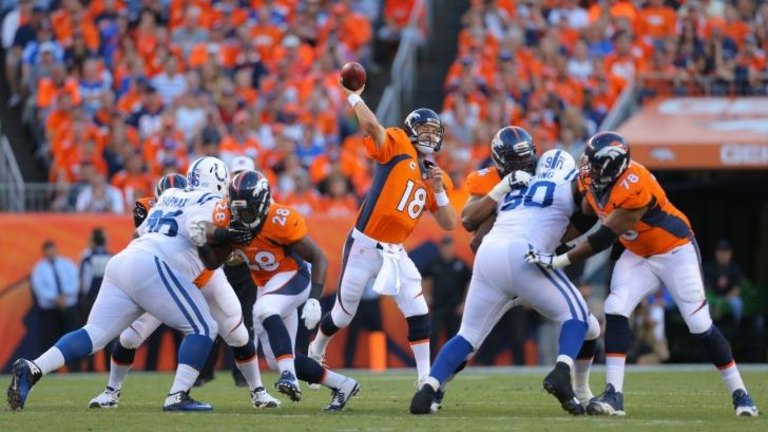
x=538 y=215
x=222 y=302
x=404 y=185
x=280 y=257
x=153 y=274
x=660 y=249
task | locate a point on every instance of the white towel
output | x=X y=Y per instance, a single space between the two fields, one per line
x=388 y=280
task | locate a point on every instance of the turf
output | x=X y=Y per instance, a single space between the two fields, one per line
x=480 y=400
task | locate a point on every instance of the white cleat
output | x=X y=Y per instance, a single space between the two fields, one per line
x=342 y=395
x=743 y=404
x=109 y=398
x=262 y=399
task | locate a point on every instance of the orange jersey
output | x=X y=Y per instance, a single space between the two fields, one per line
x=267 y=254
x=481 y=182
x=221 y=218
x=662 y=228
x=399 y=192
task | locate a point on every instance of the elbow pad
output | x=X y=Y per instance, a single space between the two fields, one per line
x=602 y=239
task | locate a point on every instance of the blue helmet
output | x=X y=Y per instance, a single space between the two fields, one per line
x=425 y=139
x=605 y=158
x=512 y=149
x=169 y=181
x=249 y=199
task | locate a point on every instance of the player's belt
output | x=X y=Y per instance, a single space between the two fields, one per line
x=367 y=241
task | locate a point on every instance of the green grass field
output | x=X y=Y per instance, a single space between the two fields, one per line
x=480 y=400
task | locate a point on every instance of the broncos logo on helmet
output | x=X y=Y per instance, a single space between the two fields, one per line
x=512 y=149
x=249 y=199
x=169 y=181
x=605 y=159
x=425 y=130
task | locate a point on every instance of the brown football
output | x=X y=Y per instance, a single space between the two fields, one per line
x=353 y=76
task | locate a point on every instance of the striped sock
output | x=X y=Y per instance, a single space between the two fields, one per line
x=614 y=370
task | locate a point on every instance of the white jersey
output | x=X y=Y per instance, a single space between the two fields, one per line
x=164 y=232
x=538 y=214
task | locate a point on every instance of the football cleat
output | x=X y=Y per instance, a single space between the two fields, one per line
x=342 y=395
x=181 y=401
x=584 y=396
x=421 y=403
x=743 y=404
x=610 y=402
x=262 y=399
x=288 y=385
x=437 y=402
x=25 y=375
x=109 y=398
x=558 y=384
x=315 y=354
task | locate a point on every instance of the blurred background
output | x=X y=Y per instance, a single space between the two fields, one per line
x=103 y=97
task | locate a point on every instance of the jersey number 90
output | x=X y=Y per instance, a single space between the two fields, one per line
x=540 y=194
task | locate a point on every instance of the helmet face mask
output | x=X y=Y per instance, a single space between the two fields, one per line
x=425 y=130
x=250 y=199
x=512 y=149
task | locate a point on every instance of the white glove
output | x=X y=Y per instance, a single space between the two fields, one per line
x=550 y=261
x=311 y=313
x=511 y=181
x=196 y=231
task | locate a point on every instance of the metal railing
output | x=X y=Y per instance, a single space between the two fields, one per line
x=12 y=188
x=399 y=92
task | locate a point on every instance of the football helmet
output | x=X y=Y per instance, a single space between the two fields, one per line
x=209 y=174
x=425 y=130
x=169 y=181
x=605 y=158
x=512 y=149
x=560 y=162
x=249 y=199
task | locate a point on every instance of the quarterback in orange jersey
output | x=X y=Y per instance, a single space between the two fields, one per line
x=223 y=305
x=281 y=257
x=660 y=249
x=404 y=185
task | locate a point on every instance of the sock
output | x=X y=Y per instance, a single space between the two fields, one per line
x=122 y=361
x=614 y=371
x=286 y=363
x=75 y=345
x=279 y=340
x=616 y=346
x=581 y=367
x=324 y=333
x=419 y=328
x=50 y=361
x=248 y=363
x=194 y=350
x=453 y=353
x=185 y=377
x=308 y=370
x=564 y=359
x=571 y=338
x=454 y=374
x=333 y=380
x=719 y=352
x=421 y=355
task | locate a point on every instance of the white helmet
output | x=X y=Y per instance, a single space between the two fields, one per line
x=209 y=174
x=556 y=164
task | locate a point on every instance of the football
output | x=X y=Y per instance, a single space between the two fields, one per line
x=353 y=76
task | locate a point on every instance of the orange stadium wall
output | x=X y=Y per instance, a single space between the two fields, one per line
x=20 y=248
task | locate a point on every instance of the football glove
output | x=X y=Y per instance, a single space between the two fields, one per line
x=139 y=214
x=311 y=313
x=547 y=260
x=196 y=230
x=239 y=232
x=511 y=181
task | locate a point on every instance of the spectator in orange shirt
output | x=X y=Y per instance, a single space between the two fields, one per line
x=241 y=141
x=396 y=16
x=190 y=32
x=622 y=64
x=51 y=88
x=133 y=182
x=339 y=202
x=656 y=22
x=304 y=198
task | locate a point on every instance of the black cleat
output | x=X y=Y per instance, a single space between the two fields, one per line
x=25 y=375
x=558 y=383
x=421 y=403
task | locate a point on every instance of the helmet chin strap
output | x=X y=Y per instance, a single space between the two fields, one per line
x=424 y=149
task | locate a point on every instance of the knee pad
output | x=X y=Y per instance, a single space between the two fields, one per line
x=263 y=311
x=419 y=328
x=245 y=352
x=131 y=339
x=616 y=334
x=414 y=306
x=698 y=322
x=614 y=305
x=122 y=355
x=340 y=317
x=593 y=332
x=717 y=347
x=237 y=337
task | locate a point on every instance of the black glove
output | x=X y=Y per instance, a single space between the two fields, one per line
x=239 y=232
x=139 y=214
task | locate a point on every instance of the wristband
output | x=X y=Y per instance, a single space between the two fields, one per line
x=441 y=198
x=560 y=261
x=354 y=99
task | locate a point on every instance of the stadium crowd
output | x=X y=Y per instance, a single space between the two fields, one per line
x=120 y=92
